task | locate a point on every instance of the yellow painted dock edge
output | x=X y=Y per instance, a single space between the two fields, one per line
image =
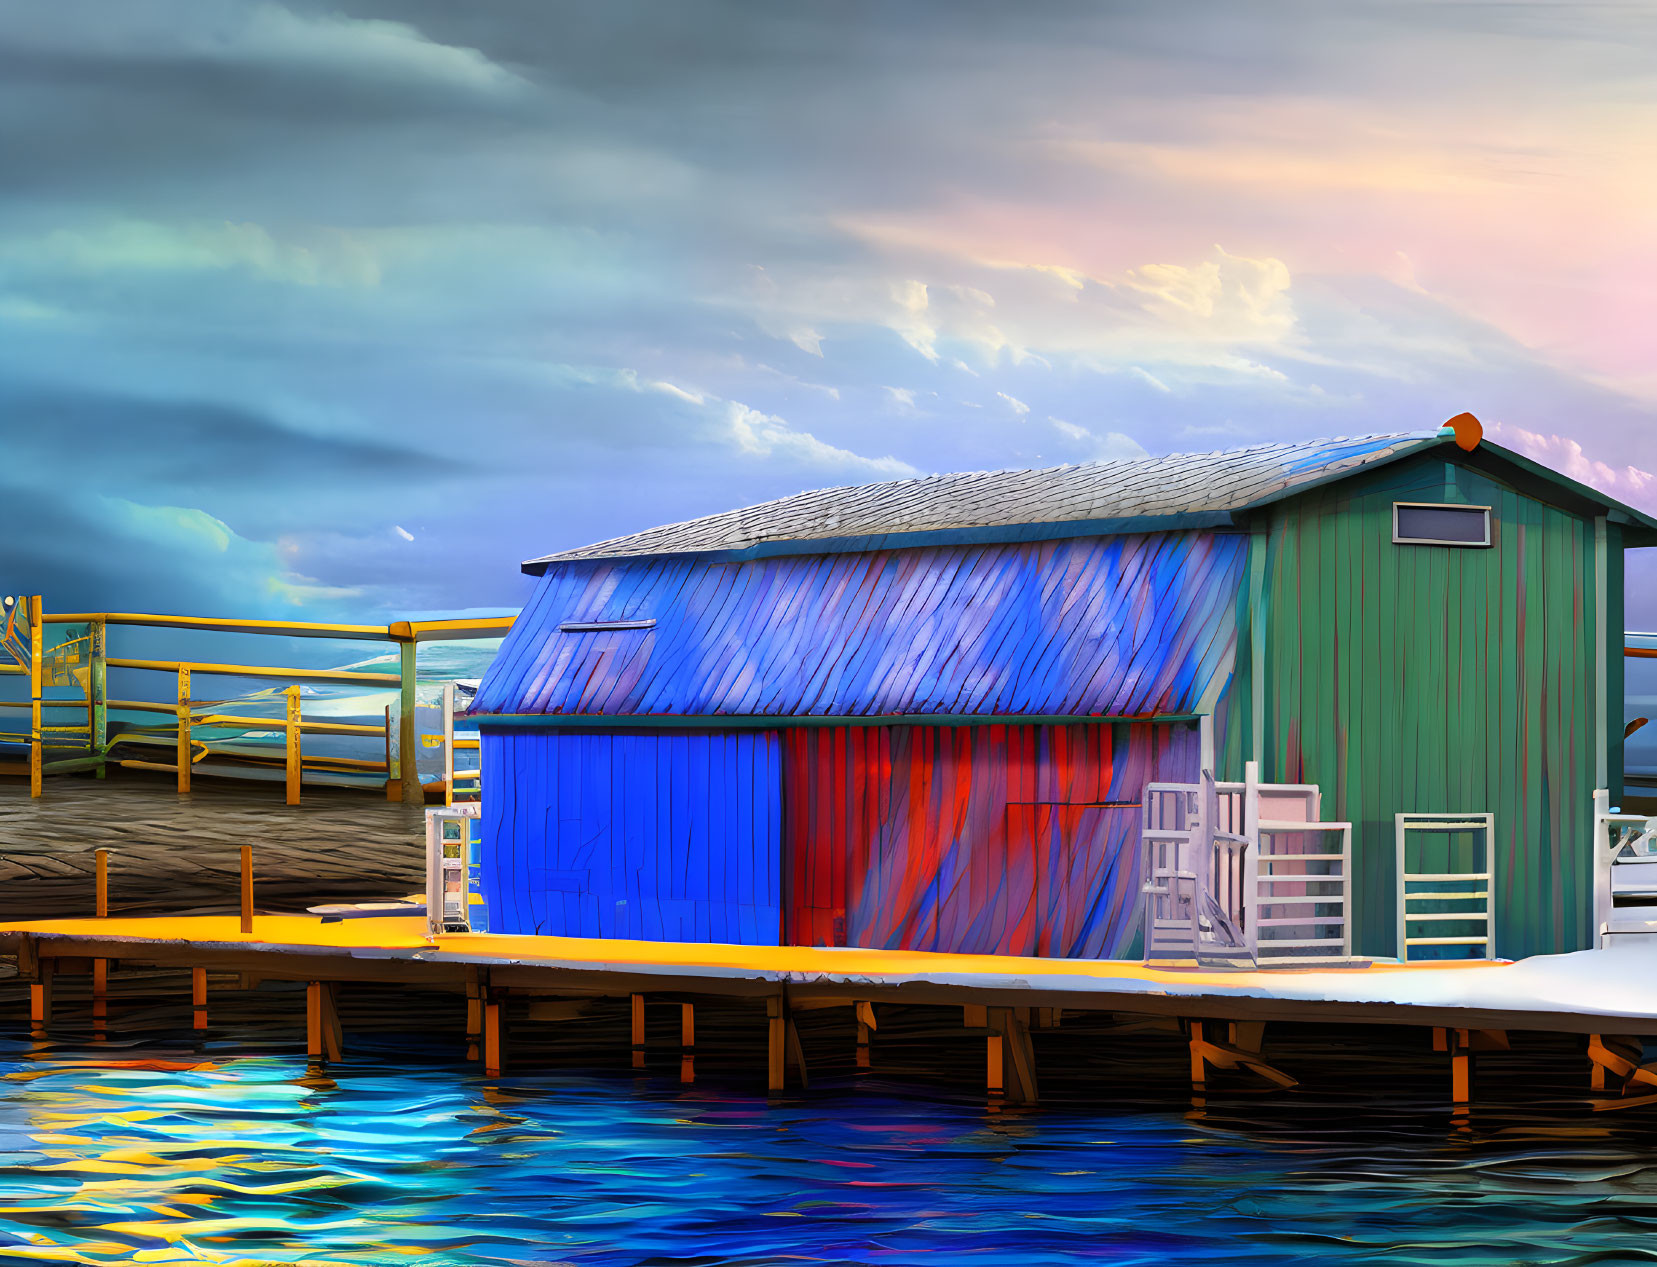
x=398 y=951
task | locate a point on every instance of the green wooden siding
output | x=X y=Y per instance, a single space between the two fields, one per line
x=1435 y=679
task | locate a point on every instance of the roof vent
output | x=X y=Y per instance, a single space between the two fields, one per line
x=1467 y=430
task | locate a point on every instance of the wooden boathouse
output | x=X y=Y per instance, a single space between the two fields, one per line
x=975 y=743
x=930 y=714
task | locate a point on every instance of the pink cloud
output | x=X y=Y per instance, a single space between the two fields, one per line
x=1626 y=483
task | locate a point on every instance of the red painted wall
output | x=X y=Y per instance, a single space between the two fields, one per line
x=985 y=839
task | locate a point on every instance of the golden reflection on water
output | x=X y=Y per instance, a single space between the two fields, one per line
x=152 y=1171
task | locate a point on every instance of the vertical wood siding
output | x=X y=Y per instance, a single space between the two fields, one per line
x=651 y=837
x=1131 y=625
x=1016 y=840
x=1423 y=679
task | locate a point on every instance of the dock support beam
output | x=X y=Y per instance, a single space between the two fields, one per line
x=1012 y=1058
x=977 y=1017
x=687 y=1042
x=40 y=998
x=1199 y=1066
x=494 y=1038
x=100 y=996
x=637 y=1001
x=100 y=967
x=1618 y=1058
x=783 y=1045
x=865 y=1027
x=198 y=998
x=776 y=1040
x=323 y=1040
x=474 y=1012
x=1459 y=1043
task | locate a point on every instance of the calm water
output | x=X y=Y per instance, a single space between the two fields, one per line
x=157 y=1149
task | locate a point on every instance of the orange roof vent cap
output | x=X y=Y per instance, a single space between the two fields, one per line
x=1467 y=430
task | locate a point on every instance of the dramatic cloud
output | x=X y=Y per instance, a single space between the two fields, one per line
x=350 y=306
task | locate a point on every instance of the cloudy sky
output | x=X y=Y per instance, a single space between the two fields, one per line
x=345 y=308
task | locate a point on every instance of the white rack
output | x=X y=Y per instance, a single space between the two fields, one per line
x=1476 y=904
x=451 y=840
x=1240 y=872
x=1301 y=885
x=1625 y=867
x=471 y=777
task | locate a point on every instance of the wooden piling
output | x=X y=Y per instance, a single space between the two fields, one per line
x=687 y=1042
x=1618 y=1058
x=100 y=996
x=313 y=1020
x=1199 y=1066
x=474 y=1012
x=293 y=766
x=37 y=669
x=796 y=1050
x=494 y=1054
x=1012 y=1061
x=323 y=1038
x=198 y=997
x=638 y=1030
x=40 y=997
x=865 y=1026
x=183 y=749
x=247 y=889
x=1461 y=1068
x=776 y=1043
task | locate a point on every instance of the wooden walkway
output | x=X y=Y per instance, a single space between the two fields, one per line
x=172 y=853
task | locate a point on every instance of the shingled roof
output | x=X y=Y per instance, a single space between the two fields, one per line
x=1181 y=490
x=1135 y=494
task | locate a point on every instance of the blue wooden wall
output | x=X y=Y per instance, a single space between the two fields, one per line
x=649 y=837
x=1133 y=625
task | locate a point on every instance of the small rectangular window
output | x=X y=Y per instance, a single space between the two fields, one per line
x=1438 y=524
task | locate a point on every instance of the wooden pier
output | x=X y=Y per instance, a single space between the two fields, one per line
x=170 y=853
x=1462 y=1008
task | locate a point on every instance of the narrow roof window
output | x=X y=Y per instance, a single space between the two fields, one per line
x=603 y=626
x=1438 y=524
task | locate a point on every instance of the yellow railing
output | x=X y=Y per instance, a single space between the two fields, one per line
x=398 y=765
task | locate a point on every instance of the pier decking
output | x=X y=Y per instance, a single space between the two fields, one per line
x=179 y=853
x=1587 y=992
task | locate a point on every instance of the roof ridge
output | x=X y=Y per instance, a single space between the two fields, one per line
x=941 y=500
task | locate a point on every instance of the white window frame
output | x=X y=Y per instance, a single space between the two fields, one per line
x=1398 y=540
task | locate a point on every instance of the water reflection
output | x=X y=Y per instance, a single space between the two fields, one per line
x=160 y=1151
